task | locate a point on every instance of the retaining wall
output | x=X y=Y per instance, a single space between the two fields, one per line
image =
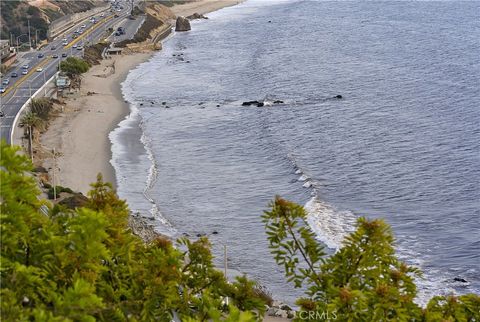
x=62 y=24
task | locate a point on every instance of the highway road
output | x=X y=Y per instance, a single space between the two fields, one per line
x=43 y=64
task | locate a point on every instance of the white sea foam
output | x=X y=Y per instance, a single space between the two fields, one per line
x=303 y=177
x=120 y=154
x=330 y=225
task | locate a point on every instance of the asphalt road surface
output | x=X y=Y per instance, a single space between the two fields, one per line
x=43 y=64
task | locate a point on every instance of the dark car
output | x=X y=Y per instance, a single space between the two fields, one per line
x=53 y=48
x=40 y=55
x=1 y=114
x=64 y=55
x=54 y=56
x=14 y=75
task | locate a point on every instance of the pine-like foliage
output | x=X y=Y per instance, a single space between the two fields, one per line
x=363 y=281
x=86 y=265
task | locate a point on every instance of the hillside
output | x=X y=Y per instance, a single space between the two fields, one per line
x=15 y=15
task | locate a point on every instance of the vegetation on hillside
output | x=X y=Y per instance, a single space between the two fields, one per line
x=15 y=16
x=14 y=20
x=93 y=53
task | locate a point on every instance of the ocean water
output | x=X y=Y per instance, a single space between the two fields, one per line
x=402 y=144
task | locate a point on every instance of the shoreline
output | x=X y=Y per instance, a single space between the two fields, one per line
x=81 y=133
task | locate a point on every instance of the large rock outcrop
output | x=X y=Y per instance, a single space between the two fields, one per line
x=182 y=24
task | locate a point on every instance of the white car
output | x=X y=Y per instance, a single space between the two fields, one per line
x=2 y=89
x=80 y=47
x=102 y=15
x=39 y=69
x=25 y=66
x=65 y=43
x=84 y=26
x=25 y=72
x=74 y=46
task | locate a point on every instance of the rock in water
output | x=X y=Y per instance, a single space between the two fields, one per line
x=182 y=24
x=196 y=16
x=250 y=103
x=339 y=96
x=459 y=279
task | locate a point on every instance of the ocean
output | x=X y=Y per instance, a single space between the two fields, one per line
x=403 y=142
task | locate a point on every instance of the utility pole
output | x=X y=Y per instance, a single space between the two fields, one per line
x=36 y=38
x=225 y=264
x=30 y=128
x=54 y=183
x=29 y=38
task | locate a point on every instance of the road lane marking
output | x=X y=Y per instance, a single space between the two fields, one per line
x=23 y=78
x=88 y=31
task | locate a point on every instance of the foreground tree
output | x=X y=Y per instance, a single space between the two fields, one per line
x=363 y=281
x=86 y=265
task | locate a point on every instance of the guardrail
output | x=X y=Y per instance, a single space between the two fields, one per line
x=24 y=106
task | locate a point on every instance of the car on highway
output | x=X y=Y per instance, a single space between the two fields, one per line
x=6 y=81
x=25 y=72
x=39 y=69
x=54 y=56
x=84 y=26
x=1 y=114
x=64 y=55
x=74 y=36
x=74 y=46
x=25 y=66
x=53 y=48
x=102 y=15
x=2 y=90
x=40 y=55
x=80 y=47
x=14 y=75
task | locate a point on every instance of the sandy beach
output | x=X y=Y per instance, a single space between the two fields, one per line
x=202 y=6
x=80 y=133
